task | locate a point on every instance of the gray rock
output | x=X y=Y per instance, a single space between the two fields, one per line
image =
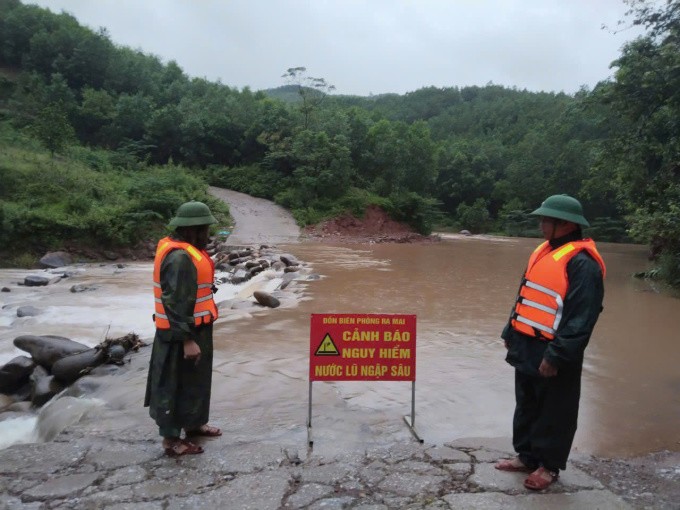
x=69 y=368
x=15 y=373
x=240 y=276
x=47 y=349
x=28 y=311
x=266 y=299
x=116 y=353
x=278 y=265
x=79 y=287
x=289 y=260
x=36 y=281
x=255 y=270
x=5 y=289
x=55 y=259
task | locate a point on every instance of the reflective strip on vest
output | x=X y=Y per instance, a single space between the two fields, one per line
x=536 y=325
x=563 y=251
x=556 y=312
x=556 y=295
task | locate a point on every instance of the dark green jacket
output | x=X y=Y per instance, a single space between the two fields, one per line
x=178 y=391
x=582 y=307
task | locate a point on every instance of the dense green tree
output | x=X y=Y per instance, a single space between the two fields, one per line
x=312 y=92
x=96 y=111
x=52 y=128
x=644 y=154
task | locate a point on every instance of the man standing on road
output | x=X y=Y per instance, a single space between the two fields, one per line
x=180 y=370
x=557 y=306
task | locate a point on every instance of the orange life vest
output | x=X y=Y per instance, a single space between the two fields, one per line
x=540 y=300
x=205 y=310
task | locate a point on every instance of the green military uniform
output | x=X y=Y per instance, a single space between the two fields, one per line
x=546 y=410
x=178 y=390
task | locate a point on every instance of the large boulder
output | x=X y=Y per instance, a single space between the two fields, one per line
x=69 y=368
x=47 y=349
x=55 y=259
x=15 y=373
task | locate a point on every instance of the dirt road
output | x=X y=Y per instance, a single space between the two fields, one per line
x=256 y=220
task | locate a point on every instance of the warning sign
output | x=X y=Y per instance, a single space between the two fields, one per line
x=327 y=347
x=362 y=347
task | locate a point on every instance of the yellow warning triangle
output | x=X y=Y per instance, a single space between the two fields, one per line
x=327 y=347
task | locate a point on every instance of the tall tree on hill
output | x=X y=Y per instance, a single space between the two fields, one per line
x=312 y=91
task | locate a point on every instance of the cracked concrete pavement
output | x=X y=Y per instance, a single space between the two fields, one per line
x=84 y=470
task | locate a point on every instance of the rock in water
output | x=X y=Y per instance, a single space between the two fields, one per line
x=35 y=281
x=15 y=373
x=55 y=259
x=27 y=311
x=266 y=299
x=47 y=349
x=69 y=368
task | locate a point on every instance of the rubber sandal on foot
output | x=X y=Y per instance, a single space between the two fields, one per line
x=536 y=482
x=510 y=465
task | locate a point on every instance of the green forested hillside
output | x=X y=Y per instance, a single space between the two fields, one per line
x=477 y=158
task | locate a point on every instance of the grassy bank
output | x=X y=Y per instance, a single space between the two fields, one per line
x=85 y=199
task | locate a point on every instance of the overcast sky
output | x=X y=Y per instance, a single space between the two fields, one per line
x=370 y=46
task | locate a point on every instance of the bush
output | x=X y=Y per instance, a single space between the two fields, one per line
x=419 y=212
x=474 y=218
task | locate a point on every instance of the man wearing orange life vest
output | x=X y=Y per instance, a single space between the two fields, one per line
x=180 y=370
x=557 y=306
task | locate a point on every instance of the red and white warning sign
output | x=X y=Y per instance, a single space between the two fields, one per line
x=362 y=347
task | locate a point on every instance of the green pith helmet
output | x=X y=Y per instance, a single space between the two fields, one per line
x=562 y=207
x=192 y=214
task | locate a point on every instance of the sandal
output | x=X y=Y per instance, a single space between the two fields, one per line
x=514 y=465
x=205 y=431
x=179 y=447
x=536 y=481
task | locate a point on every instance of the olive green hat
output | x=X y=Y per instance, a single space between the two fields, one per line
x=562 y=207
x=192 y=214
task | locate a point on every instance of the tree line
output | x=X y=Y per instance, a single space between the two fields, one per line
x=477 y=158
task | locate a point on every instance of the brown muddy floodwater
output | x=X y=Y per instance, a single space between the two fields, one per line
x=461 y=291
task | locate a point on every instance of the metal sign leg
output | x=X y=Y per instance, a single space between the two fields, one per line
x=411 y=421
x=310 y=441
